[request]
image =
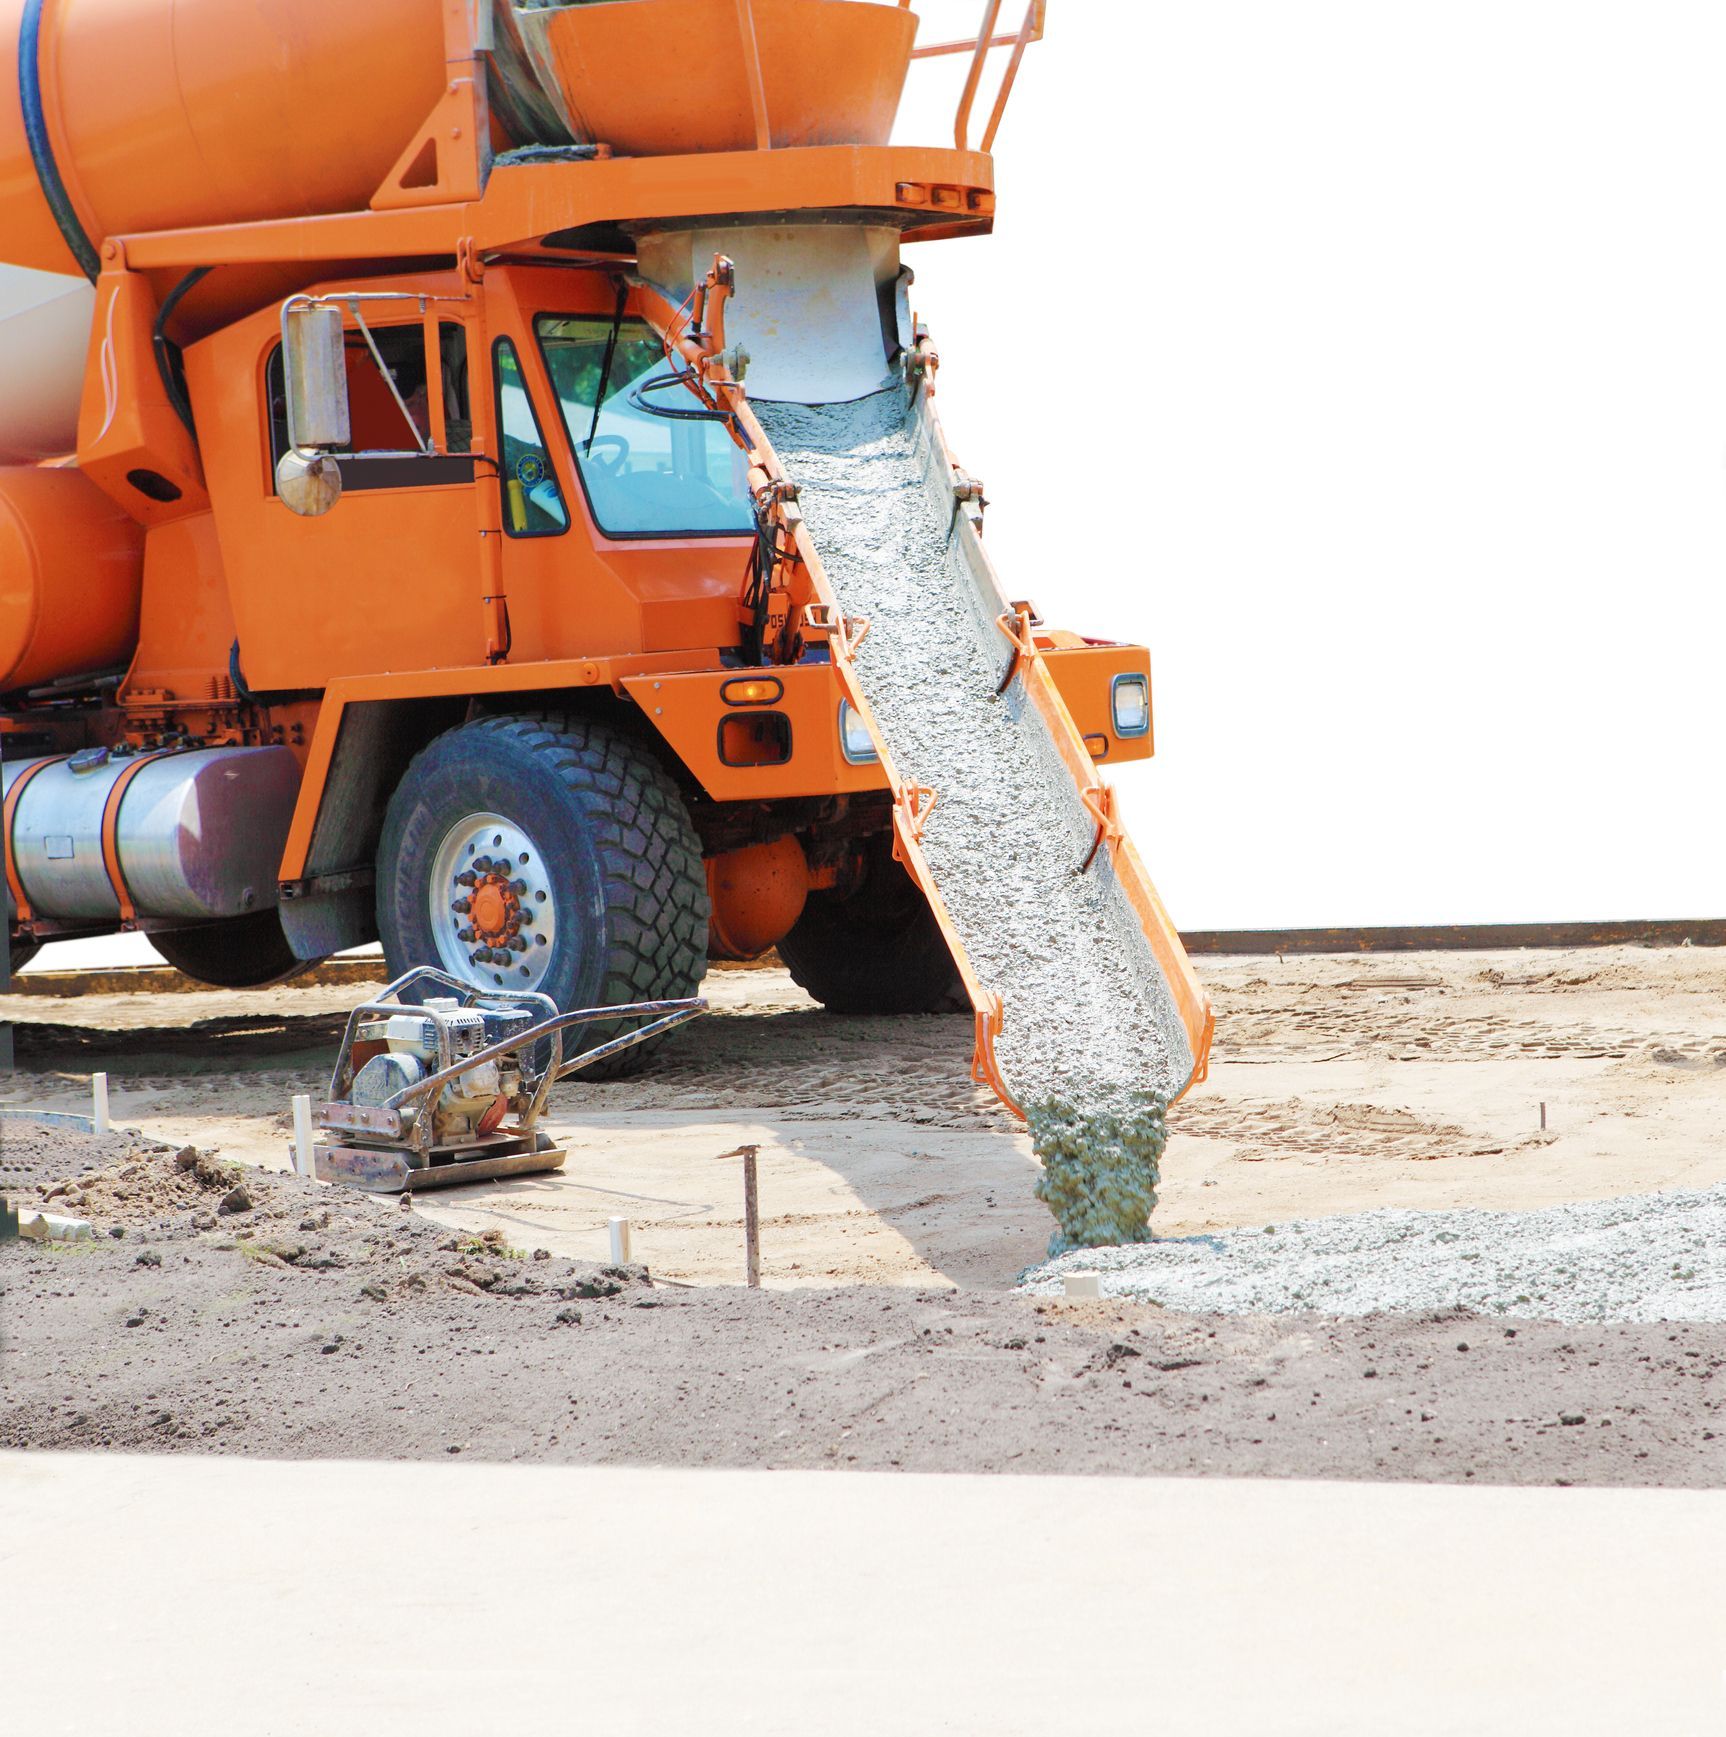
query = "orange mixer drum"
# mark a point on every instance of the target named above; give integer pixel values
(155, 114)
(659, 77)
(71, 568)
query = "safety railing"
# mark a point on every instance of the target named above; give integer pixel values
(978, 48)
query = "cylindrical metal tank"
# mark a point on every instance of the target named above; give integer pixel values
(71, 566)
(158, 114)
(198, 835)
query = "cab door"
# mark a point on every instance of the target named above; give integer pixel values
(388, 578)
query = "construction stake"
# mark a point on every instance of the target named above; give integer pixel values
(751, 1221)
(751, 1215)
(619, 1228)
(303, 1161)
(99, 1103)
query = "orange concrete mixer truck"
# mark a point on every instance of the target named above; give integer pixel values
(396, 540)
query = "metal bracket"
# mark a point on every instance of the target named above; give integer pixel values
(846, 632)
(1017, 625)
(1099, 802)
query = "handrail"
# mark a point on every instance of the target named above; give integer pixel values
(962, 121)
(1007, 78)
(752, 75)
(978, 48)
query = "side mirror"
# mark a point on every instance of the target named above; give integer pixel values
(315, 383)
(308, 483)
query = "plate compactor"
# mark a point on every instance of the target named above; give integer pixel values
(449, 1087)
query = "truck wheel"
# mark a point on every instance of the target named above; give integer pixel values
(550, 853)
(877, 949)
(241, 953)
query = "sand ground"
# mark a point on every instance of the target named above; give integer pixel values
(303, 1321)
(1338, 1084)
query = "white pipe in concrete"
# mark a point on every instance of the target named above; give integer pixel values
(303, 1162)
(619, 1228)
(99, 1103)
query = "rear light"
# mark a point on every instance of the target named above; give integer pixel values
(752, 691)
(1131, 700)
(855, 742)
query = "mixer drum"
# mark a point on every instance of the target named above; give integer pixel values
(71, 573)
(44, 332)
(161, 114)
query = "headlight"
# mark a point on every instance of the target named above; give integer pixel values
(854, 740)
(1132, 705)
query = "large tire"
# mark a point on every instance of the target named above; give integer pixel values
(600, 854)
(243, 953)
(878, 949)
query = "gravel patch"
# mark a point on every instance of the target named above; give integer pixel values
(1652, 1257)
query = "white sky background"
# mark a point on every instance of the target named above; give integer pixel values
(1368, 362)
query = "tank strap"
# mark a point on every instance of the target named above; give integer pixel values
(111, 836)
(41, 146)
(8, 813)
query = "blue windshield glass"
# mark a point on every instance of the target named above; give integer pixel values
(646, 472)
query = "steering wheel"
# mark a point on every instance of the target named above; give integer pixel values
(615, 445)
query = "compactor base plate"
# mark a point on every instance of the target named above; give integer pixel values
(393, 1170)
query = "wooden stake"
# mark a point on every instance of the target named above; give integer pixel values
(751, 1221)
(1543, 1118)
(99, 1103)
(751, 1216)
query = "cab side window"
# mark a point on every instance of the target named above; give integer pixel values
(381, 451)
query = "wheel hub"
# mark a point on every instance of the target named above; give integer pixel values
(492, 910)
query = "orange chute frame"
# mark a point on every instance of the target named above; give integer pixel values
(695, 331)
(471, 183)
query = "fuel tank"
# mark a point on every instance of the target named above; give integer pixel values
(198, 835)
(71, 573)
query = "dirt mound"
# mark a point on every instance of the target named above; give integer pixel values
(35, 1155)
(131, 1189)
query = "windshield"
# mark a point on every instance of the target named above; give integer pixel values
(646, 472)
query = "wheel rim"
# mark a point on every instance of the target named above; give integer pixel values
(493, 914)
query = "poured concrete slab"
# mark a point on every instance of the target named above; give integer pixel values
(199, 1595)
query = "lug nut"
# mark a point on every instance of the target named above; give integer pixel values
(519, 888)
(462, 906)
(466, 878)
(466, 935)
(517, 944)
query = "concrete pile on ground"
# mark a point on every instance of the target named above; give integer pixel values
(1090, 1030)
(1652, 1257)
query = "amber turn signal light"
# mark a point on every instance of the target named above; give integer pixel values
(756, 691)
